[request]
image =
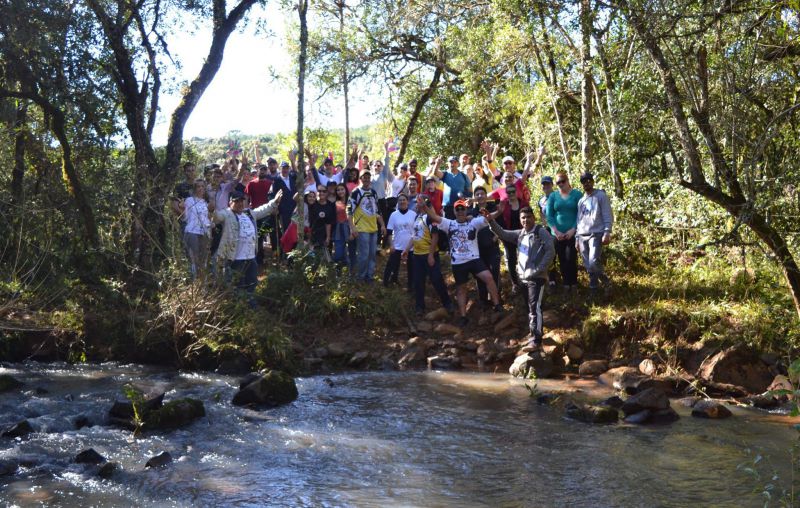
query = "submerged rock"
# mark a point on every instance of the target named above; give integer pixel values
(612, 401)
(107, 470)
(8, 467)
(8, 383)
(710, 409)
(592, 414)
(82, 421)
(663, 416)
(638, 418)
(160, 460)
(270, 389)
(89, 456)
(532, 364)
(122, 415)
(174, 414)
(444, 362)
(738, 366)
(21, 429)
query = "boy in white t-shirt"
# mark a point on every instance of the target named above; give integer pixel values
(401, 229)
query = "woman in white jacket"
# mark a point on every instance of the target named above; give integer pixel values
(237, 246)
(197, 234)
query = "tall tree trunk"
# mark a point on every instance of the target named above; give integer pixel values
(586, 85)
(18, 173)
(412, 122)
(345, 83)
(302, 10)
(736, 205)
(611, 115)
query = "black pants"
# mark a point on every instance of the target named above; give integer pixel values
(422, 271)
(511, 263)
(392, 270)
(534, 294)
(490, 255)
(382, 239)
(261, 225)
(567, 261)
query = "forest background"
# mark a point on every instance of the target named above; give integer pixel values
(687, 112)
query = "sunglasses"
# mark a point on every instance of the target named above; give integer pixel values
(559, 182)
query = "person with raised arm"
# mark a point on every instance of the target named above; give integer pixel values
(365, 219)
(456, 184)
(400, 228)
(536, 252)
(464, 253)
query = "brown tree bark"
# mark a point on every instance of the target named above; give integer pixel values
(302, 10)
(412, 121)
(586, 85)
(18, 173)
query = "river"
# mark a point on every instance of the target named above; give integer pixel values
(377, 439)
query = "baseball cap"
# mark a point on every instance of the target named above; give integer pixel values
(430, 179)
(236, 195)
(413, 161)
(452, 158)
(328, 161)
(404, 166)
(547, 179)
(460, 202)
(271, 160)
(508, 158)
(284, 164)
(585, 177)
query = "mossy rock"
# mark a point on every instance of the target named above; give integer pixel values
(270, 389)
(8, 383)
(174, 414)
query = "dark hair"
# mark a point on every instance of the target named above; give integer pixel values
(188, 165)
(350, 175)
(346, 192)
(479, 187)
(526, 209)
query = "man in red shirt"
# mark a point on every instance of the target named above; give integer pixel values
(258, 190)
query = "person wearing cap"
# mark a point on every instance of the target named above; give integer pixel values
(595, 221)
(562, 217)
(488, 246)
(433, 194)
(520, 180)
(381, 177)
(536, 252)
(456, 184)
(218, 193)
(413, 174)
(237, 247)
(400, 228)
(397, 186)
(464, 253)
(364, 216)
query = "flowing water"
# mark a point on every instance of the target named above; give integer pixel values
(376, 439)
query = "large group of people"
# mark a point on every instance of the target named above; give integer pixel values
(475, 213)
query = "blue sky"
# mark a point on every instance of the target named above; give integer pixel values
(244, 96)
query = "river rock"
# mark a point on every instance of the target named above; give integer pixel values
(506, 321)
(174, 414)
(780, 382)
(763, 401)
(123, 410)
(547, 399)
(270, 389)
(8, 467)
(651, 398)
(89, 456)
(8, 383)
(613, 401)
(439, 314)
(530, 364)
(647, 367)
(592, 367)
(592, 414)
(424, 326)
(706, 408)
(444, 362)
(21, 429)
(446, 329)
(413, 356)
(107, 470)
(81, 421)
(162, 459)
(358, 359)
(622, 378)
(638, 418)
(338, 349)
(574, 353)
(738, 366)
(664, 416)
(688, 401)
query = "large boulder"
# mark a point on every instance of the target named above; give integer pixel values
(706, 408)
(121, 413)
(592, 414)
(160, 460)
(623, 378)
(174, 414)
(270, 389)
(532, 364)
(738, 366)
(652, 399)
(8, 383)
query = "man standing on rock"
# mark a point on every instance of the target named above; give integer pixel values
(595, 220)
(535, 251)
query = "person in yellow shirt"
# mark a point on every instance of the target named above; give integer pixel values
(425, 263)
(362, 211)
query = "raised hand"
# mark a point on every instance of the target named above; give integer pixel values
(279, 195)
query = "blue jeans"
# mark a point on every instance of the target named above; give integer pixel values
(244, 274)
(366, 247)
(341, 233)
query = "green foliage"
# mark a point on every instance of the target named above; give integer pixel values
(136, 397)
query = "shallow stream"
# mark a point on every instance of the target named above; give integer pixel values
(377, 439)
